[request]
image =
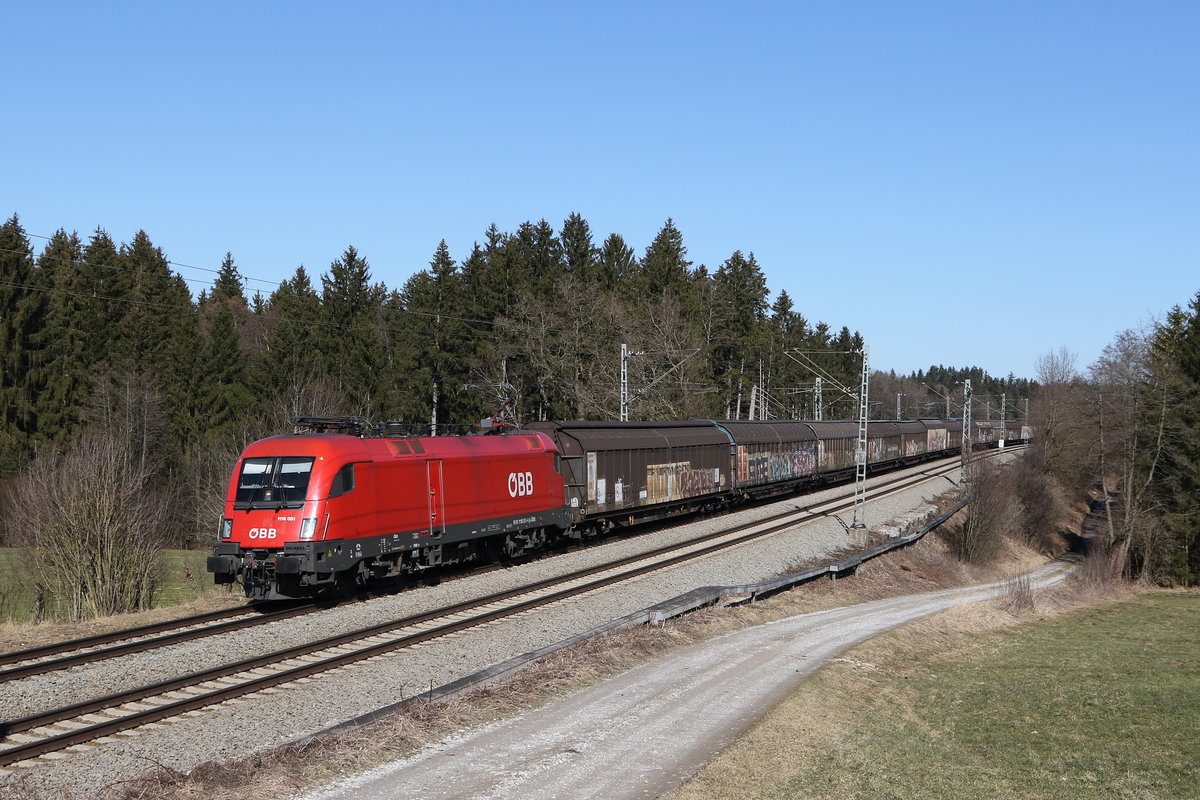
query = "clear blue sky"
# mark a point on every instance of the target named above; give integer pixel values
(965, 183)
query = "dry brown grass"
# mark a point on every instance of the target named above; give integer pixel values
(801, 735)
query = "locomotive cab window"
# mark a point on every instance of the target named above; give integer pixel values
(343, 482)
(273, 482)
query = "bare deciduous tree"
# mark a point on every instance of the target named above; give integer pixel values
(93, 526)
(563, 358)
(1059, 418)
(1130, 398)
(1042, 502)
(993, 513)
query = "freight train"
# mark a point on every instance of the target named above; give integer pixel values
(341, 501)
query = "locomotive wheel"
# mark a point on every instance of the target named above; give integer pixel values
(493, 550)
(348, 582)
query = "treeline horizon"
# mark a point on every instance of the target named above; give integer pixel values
(115, 382)
(531, 321)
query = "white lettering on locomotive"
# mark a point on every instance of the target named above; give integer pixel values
(520, 484)
(263, 533)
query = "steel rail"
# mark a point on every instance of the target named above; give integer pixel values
(54, 648)
(127, 648)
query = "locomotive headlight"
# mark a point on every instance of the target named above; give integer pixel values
(225, 531)
(308, 528)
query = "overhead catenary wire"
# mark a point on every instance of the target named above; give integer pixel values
(168, 261)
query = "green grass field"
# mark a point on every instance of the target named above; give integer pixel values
(17, 592)
(1102, 703)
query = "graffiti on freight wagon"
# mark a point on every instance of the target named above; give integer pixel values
(756, 464)
(666, 482)
(882, 448)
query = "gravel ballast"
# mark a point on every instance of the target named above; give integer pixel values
(276, 717)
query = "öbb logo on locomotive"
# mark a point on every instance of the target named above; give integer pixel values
(520, 484)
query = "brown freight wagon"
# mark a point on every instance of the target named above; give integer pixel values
(624, 472)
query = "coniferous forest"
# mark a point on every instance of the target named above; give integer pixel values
(106, 349)
(530, 322)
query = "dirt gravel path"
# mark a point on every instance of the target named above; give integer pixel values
(642, 733)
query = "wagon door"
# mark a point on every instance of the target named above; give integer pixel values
(437, 500)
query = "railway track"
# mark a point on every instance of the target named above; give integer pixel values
(84, 725)
(19, 664)
(60, 655)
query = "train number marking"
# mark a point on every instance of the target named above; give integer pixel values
(520, 484)
(263, 533)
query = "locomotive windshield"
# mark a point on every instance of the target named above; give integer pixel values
(277, 482)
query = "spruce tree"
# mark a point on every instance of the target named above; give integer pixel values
(429, 312)
(159, 306)
(579, 253)
(159, 336)
(1176, 355)
(352, 345)
(537, 257)
(65, 348)
(664, 267)
(738, 344)
(227, 399)
(223, 380)
(18, 321)
(490, 275)
(290, 369)
(617, 264)
(787, 332)
(105, 277)
(229, 285)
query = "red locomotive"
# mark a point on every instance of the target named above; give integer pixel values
(335, 506)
